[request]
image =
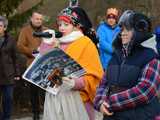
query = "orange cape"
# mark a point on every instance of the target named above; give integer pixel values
(85, 53)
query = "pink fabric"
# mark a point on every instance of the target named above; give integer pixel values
(64, 46)
(79, 83)
(44, 47)
(90, 110)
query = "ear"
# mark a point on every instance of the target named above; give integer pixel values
(31, 19)
(5, 28)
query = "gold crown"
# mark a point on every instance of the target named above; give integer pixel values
(113, 11)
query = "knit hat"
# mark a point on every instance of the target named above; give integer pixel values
(75, 15)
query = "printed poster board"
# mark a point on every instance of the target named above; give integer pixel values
(43, 65)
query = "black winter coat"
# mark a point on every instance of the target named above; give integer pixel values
(8, 61)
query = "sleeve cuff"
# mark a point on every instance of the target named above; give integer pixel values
(97, 107)
(79, 83)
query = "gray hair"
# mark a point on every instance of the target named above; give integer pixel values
(4, 21)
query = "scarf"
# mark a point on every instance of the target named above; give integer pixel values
(71, 37)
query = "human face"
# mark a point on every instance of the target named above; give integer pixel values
(65, 27)
(111, 21)
(126, 35)
(37, 19)
(2, 28)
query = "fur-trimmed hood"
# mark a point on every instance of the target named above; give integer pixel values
(139, 23)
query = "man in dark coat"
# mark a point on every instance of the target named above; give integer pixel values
(8, 69)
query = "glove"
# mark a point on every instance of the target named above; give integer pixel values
(68, 83)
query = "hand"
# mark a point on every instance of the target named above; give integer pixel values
(56, 43)
(104, 110)
(68, 82)
(35, 53)
(17, 78)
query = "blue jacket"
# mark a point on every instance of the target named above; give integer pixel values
(106, 36)
(157, 33)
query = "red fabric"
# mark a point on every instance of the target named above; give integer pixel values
(65, 18)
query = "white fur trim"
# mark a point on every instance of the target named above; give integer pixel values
(150, 43)
(71, 37)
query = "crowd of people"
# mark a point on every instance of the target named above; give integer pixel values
(122, 76)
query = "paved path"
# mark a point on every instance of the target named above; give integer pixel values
(98, 117)
(26, 118)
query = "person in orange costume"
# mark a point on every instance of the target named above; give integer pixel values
(75, 100)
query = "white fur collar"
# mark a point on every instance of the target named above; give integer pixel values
(71, 37)
(150, 43)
